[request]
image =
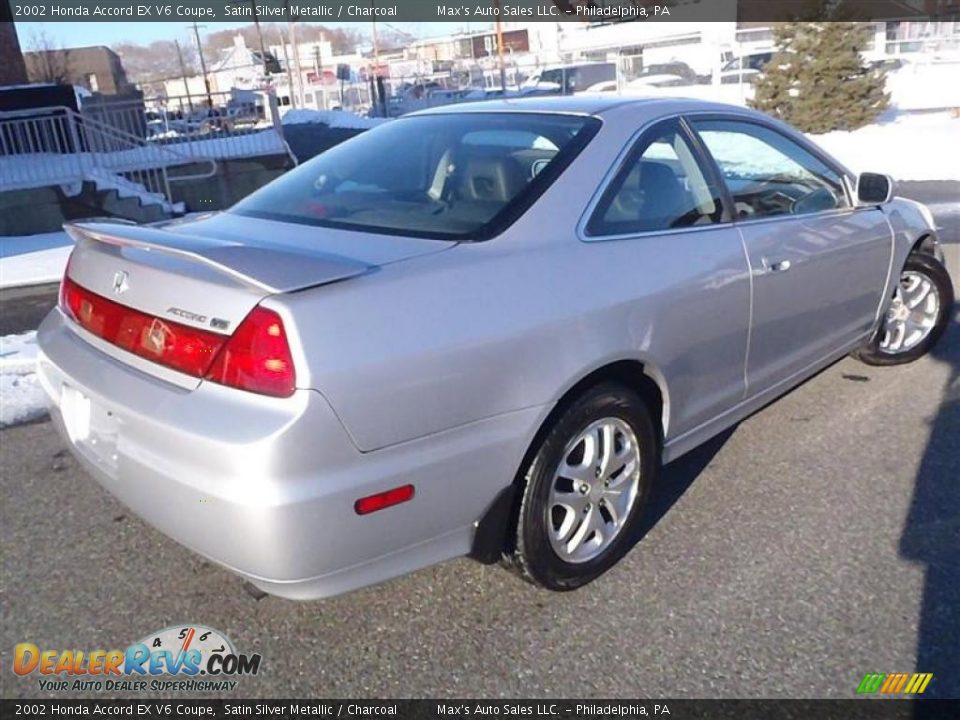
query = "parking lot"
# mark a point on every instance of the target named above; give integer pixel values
(815, 542)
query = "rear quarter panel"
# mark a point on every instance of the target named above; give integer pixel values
(449, 339)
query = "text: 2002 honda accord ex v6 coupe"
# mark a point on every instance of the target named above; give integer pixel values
(474, 330)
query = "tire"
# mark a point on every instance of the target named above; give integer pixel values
(540, 552)
(883, 349)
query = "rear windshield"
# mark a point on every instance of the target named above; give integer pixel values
(461, 177)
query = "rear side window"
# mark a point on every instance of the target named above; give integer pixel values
(662, 186)
(768, 174)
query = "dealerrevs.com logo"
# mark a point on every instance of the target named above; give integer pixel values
(184, 658)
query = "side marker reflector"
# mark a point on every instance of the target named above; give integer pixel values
(386, 499)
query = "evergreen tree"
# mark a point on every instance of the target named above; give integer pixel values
(817, 80)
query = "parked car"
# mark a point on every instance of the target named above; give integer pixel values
(476, 330)
(570, 79)
(744, 69)
(671, 74)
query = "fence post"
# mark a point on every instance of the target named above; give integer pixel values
(275, 115)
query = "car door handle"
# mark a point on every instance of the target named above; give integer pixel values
(777, 266)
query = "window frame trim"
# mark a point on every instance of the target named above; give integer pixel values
(629, 154)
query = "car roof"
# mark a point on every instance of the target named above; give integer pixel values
(584, 104)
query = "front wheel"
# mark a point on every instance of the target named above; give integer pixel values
(585, 489)
(917, 316)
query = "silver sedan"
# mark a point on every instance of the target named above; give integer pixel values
(474, 331)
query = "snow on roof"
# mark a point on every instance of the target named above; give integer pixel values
(330, 118)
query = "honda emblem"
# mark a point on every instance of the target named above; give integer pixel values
(120, 284)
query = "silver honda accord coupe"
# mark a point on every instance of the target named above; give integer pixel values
(477, 330)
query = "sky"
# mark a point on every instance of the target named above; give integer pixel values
(79, 34)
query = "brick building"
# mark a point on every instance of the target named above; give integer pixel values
(12, 68)
(96, 68)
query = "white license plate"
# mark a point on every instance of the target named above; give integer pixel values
(93, 429)
(75, 408)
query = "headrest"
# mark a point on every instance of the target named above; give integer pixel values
(491, 178)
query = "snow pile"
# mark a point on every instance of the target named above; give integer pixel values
(21, 397)
(105, 180)
(331, 118)
(33, 259)
(908, 146)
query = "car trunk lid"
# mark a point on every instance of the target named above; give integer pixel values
(182, 276)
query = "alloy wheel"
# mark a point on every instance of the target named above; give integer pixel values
(912, 314)
(593, 490)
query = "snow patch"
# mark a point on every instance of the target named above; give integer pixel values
(33, 259)
(22, 399)
(908, 146)
(331, 118)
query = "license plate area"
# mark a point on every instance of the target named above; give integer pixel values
(93, 429)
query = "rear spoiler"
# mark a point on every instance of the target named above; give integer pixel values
(267, 269)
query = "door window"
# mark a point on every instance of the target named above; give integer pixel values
(661, 187)
(768, 174)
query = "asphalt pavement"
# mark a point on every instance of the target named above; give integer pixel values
(817, 541)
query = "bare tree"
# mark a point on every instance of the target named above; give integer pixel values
(47, 61)
(149, 65)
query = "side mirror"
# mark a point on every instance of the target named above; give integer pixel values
(874, 189)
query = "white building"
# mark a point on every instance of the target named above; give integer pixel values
(239, 67)
(312, 54)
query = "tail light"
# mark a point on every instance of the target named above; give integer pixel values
(257, 357)
(171, 344)
(62, 293)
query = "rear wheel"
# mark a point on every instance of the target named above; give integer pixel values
(585, 489)
(917, 316)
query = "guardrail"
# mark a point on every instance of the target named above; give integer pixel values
(40, 147)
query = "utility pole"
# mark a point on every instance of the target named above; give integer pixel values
(256, 24)
(286, 60)
(183, 72)
(376, 47)
(318, 70)
(203, 64)
(503, 69)
(292, 30)
(378, 101)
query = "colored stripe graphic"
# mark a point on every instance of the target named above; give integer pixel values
(894, 683)
(871, 683)
(918, 683)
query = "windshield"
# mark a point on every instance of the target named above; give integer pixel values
(461, 177)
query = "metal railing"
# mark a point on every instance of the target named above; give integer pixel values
(219, 126)
(41, 147)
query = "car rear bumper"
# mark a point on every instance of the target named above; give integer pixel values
(267, 486)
